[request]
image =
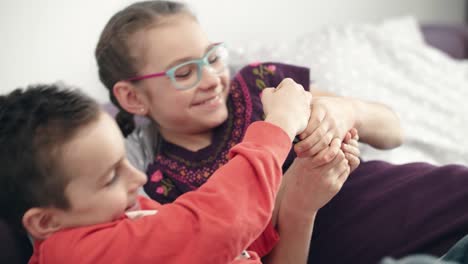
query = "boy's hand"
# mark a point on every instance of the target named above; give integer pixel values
(287, 106)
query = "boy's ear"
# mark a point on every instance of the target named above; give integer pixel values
(41, 222)
(129, 98)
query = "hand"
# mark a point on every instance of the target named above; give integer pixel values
(309, 187)
(287, 106)
(305, 189)
(349, 146)
(351, 150)
(331, 117)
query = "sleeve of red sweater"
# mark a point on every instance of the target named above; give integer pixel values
(211, 225)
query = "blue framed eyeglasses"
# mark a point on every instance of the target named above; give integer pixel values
(188, 74)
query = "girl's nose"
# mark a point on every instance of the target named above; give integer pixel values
(209, 78)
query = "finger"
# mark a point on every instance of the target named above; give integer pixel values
(354, 133)
(341, 175)
(322, 142)
(344, 175)
(318, 135)
(341, 165)
(347, 148)
(353, 142)
(266, 97)
(347, 137)
(286, 82)
(327, 155)
(266, 91)
(317, 115)
(353, 161)
(334, 164)
(308, 96)
(315, 129)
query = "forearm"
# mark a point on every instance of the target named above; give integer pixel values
(294, 244)
(247, 212)
(377, 124)
(231, 208)
(264, 244)
(294, 222)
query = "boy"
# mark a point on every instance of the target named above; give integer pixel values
(65, 180)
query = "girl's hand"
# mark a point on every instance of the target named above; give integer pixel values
(331, 117)
(350, 149)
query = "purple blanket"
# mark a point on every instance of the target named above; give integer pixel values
(388, 210)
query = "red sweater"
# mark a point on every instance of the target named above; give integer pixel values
(211, 225)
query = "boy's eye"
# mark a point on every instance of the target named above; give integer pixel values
(113, 180)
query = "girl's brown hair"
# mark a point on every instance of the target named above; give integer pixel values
(114, 55)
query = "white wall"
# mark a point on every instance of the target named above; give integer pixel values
(49, 40)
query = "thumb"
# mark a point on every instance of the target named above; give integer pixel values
(309, 97)
(347, 137)
(266, 93)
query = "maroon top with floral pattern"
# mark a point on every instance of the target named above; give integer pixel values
(176, 170)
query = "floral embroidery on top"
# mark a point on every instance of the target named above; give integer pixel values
(157, 176)
(260, 71)
(176, 170)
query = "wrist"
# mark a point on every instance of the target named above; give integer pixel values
(283, 123)
(294, 217)
(296, 205)
(356, 106)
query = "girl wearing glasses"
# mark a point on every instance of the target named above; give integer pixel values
(157, 62)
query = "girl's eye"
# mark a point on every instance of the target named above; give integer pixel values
(184, 74)
(185, 71)
(213, 59)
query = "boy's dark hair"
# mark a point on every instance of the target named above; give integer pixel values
(115, 59)
(34, 124)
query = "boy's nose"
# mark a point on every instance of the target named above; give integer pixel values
(136, 178)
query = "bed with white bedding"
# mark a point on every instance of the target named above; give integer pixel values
(389, 62)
